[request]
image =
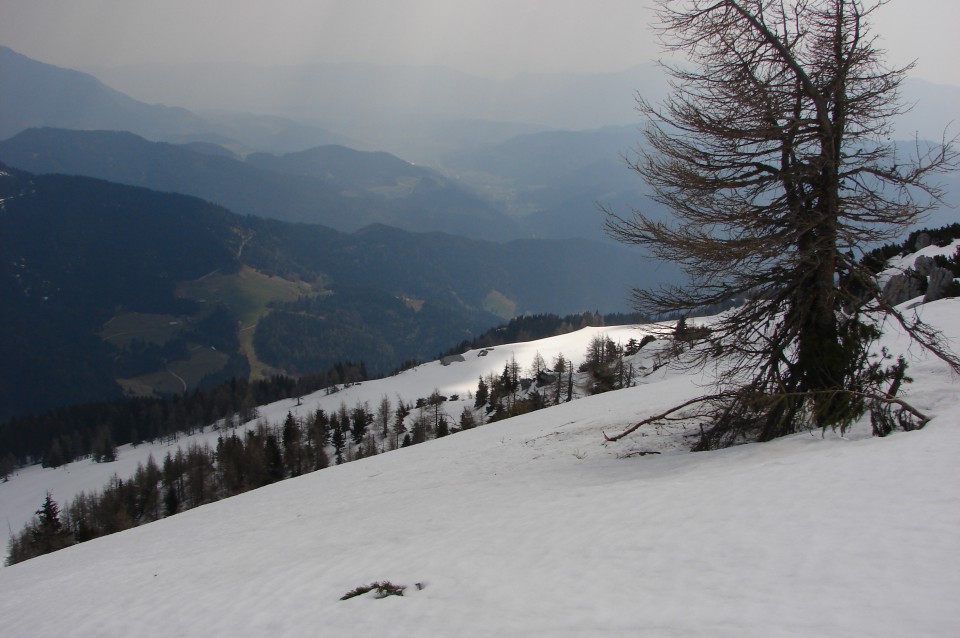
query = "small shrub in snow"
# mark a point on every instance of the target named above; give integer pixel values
(384, 589)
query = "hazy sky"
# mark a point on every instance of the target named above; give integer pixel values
(494, 38)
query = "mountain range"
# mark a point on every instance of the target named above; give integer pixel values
(423, 113)
(415, 112)
(331, 185)
(111, 288)
(497, 139)
(37, 95)
(296, 233)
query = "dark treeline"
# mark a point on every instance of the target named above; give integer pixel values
(877, 258)
(186, 478)
(95, 430)
(541, 326)
(361, 324)
(243, 459)
(69, 433)
(605, 367)
(256, 455)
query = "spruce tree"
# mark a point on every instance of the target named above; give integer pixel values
(480, 399)
(48, 534)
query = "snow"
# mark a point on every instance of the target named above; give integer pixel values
(22, 496)
(533, 527)
(901, 263)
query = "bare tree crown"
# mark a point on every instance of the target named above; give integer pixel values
(774, 154)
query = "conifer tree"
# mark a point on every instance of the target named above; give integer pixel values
(361, 420)
(559, 368)
(337, 439)
(480, 399)
(399, 418)
(171, 502)
(272, 460)
(774, 155)
(442, 429)
(292, 446)
(319, 435)
(384, 411)
(43, 535)
(538, 365)
(7, 465)
(467, 420)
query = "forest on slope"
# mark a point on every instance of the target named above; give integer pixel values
(115, 290)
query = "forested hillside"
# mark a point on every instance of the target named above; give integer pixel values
(115, 290)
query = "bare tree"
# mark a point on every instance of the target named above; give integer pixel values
(774, 154)
(384, 413)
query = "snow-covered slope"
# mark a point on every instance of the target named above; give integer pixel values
(901, 263)
(533, 527)
(21, 497)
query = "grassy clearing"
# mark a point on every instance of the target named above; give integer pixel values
(258, 369)
(127, 326)
(500, 305)
(245, 293)
(202, 361)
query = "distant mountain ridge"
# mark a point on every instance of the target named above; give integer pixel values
(35, 94)
(355, 169)
(38, 94)
(421, 113)
(555, 180)
(333, 186)
(491, 135)
(341, 91)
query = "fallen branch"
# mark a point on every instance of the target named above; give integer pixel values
(664, 415)
(922, 419)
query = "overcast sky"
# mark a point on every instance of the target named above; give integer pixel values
(493, 38)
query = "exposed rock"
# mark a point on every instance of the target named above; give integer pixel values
(924, 265)
(925, 278)
(902, 287)
(923, 240)
(545, 378)
(452, 358)
(939, 282)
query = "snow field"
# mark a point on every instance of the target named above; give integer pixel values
(21, 497)
(533, 527)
